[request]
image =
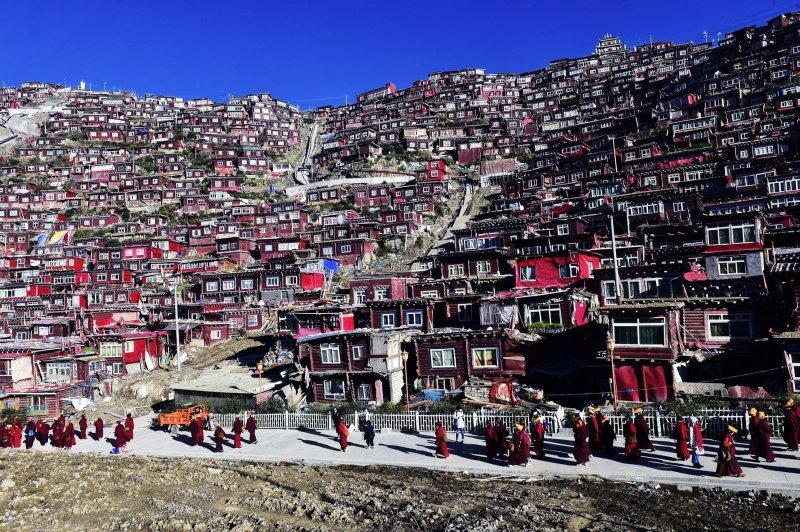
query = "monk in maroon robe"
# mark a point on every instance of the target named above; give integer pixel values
(342, 432)
(727, 465)
(682, 440)
(500, 435)
(752, 429)
(201, 434)
(129, 427)
(522, 447)
(219, 437)
(69, 436)
(791, 425)
(5, 435)
(98, 429)
(441, 442)
(643, 432)
(632, 451)
(764, 448)
(251, 426)
(593, 431)
(83, 425)
(607, 437)
(237, 429)
(491, 444)
(537, 436)
(30, 434)
(58, 435)
(16, 434)
(120, 439)
(43, 433)
(580, 449)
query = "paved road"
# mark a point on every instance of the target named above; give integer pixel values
(415, 450)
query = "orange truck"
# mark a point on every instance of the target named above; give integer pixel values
(174, 421)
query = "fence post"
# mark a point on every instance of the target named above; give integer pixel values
(658, 423)
(416, 420)
(330, 423)
(286, 419)
(474, 422)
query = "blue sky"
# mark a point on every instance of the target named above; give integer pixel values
(313, 53)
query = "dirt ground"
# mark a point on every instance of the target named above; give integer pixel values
(61, 491)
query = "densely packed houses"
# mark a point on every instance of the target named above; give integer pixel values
(638, 231)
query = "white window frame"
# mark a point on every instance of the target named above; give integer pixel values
(441, 352)
(364, 392)
(329, 353)
(638, 323)
(246, 284)
(228, 285)
(388, 320)
(326, 388)
(464, 312)
(358, 352)
(477, 350)
(414, 318)
(729, 318)
(739, 261)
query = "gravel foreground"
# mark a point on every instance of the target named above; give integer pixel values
(62, 491)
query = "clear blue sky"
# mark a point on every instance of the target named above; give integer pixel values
(313, 53)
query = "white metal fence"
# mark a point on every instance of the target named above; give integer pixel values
(412, 422)
(714, 422)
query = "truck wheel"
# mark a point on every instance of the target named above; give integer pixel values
(173, 429)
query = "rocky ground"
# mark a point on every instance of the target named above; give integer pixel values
(68, 491)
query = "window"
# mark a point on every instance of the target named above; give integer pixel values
(387, 320)
(116, 368)
(364, 392)
(543, 313)
(347, 248)
(443, 358)
(736, 233)
(527, 273)
(679, 206)
(59, 372)
(292, 280)
(327, 251)
(212, 286)
(252, 320)
(484, 266)
(562, 229)
(444, 384)
(358, 352)
(110, 350)
(334, 389)
(229, 284)
(329, 353)
(641, 331)
(724, 325)
(273, 281)
(129, 346)
(763, 150)
(454, 270)
(216, 334)
(484, 357)
(359, 296)
(381, 293)
(414, 318)
(732, 266)
(429, 294)
(464, 312)
(567, 271)
(246, 284)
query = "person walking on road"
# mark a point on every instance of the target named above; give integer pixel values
(791, 425)
(342, 433)
(251, 426)
(593, 431)
(607, 437)
(763, 446)
(580, 449)
(237, 430)
(630, 433)
(642, 431)
(727, 464)
(82, 426)
(129, 427)
(369, 435)
(219, 437)
(682, 440)
(491, 441)
(69, 436)
(537, 436)
(98, 429)
(441, 441)
(120, 439)
(695, 440)
(752, 429)
(30, 434)
(459, 424)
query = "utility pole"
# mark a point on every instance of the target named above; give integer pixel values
(177, 328)
(614, 153)
(617, 282)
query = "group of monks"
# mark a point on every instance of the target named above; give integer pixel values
(197, 430)
(61, 434)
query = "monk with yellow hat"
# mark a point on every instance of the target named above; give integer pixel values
(537, 436)
(753, 430)
(791, 425)
(642, 432)
(763, 447)
(727, 465)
